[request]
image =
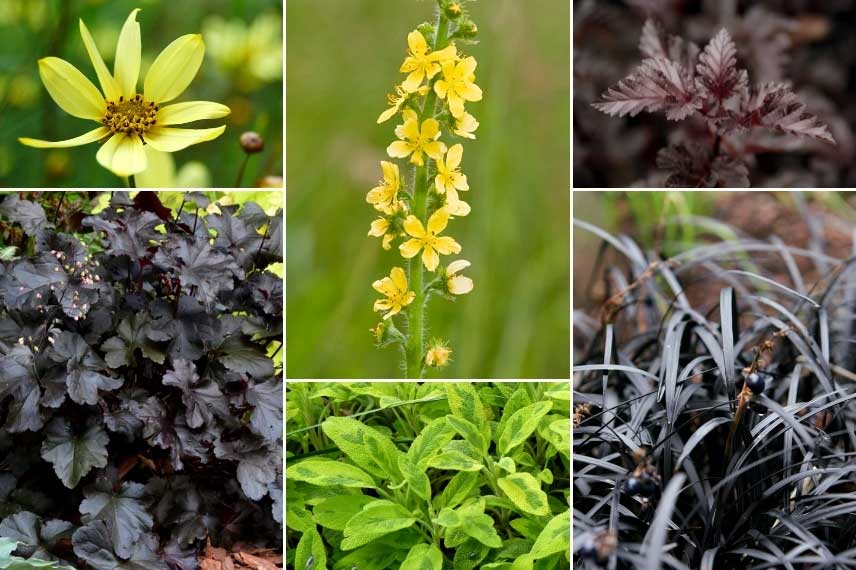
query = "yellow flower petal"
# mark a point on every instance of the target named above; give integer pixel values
(390, 173)
(108, 84)
(414, 80)
(457, 207)
(409, 130)
(441, 88)
(437, 222)
(430, 258)
(446, 245)
(456, 104)
(456, 266)
(181, 113)
(416, 42)
(382, 305)
(460, 285)
(459, 181)
(159, 172)
(386, 115)
(384, 286)
(430, 129)
(449, 52)
(399, 278)
(379, 227)
(435, 149)
(70, 89)
(408, 298)
(399, 149)
(174, 68)
(123, 155)
(410, 248)
(470, 92)
(395, 310)
(126, 68)
(85, 138)
(414, 227)
(453, 157)
(168, 139)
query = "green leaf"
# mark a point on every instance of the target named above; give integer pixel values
(329, 473)
(375, 520)
(521, 424)
(517, 400)
(310, 554)
(449, 518)
(454, 461)
(480, 527)
(560, 436)
(525, 492)
(458, 489)
(507, 464)
(432, 438)
(423, 557)
(366, 447)
(554, 537)
(465, 403)
(297, 517)
(335, 512)
(73, 456)
(416, 478)
(469, 555)
(470, 433)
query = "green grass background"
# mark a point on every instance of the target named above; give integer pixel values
(342, 58)
(32, 29)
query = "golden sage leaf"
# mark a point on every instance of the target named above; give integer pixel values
(554, 537)
(480, 527)
(521, 424)
(335, 512)
(429, 441)
(470, 433)
(367, 447)
(454, 461)
(423, 557)
(329, 473)
(310, 551)
(469, 555)
(376, 521)
(525, 492)
(416, 478)
(517, 400)
(459, 488)
(465, 403)
(449, 518)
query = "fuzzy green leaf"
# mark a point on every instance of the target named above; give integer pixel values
(470, 433)
(329, 473)
(366, 447)
(423, 557)
(554, 537)
(416, 478)
(521, 424)
(310, 553)
(375, 520)
(458, 489)
(525, 492)
(454, 461)
(480, 527)
(432, 438)
(465, 403)
(335, 512)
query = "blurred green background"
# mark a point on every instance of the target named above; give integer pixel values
(342, 59)
(242, 69)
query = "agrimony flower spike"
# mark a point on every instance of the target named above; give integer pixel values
(131, 120)
(431, 100)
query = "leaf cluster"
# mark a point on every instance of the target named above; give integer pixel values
(455, 475)
(678, 462)
(140, 409)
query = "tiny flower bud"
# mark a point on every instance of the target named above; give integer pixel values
(252, 142)
(453, 10)
(438, 354)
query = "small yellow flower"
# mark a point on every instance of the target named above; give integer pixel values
(378, 331)
(449, 178)
(415, 141)
(397, 99)
(465, 126)
(130, 120)
(458, 284)
(458, 85)
(380, 228)
(383, 197)
(421, 62)
(428, 242)
(438, 355)
(394, 288)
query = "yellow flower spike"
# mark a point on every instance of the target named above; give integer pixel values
(466, 126)
(458, 85)
(449, 178)
(131, 120)
(438, 354)
(414, 141)
(383, 197)
(394, 288)
(428, 241)
(458, 284)
(421, 63)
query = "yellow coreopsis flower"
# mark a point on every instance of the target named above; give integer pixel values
(394, 288)
(129, 120)
(458, 284)
(458, 85)
(421, 63)
(449, 178)
(383, 197)
(428, 241)
(415, 140)
(466, 126)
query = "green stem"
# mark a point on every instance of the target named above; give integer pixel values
(132, 182)
(241, 170)
(415, 348)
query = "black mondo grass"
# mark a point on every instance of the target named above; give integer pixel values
(714, 420)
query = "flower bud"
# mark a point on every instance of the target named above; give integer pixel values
(451, 10)
(438, 355)
(252, 142)
(467, 29)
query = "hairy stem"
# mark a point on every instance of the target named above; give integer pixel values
(414, 350)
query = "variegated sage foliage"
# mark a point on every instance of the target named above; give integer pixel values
(140, 411)
(428, 476)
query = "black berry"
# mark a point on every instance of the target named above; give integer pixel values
(755, 382)
(633, 486)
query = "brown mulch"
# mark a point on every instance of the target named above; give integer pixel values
(240, 558)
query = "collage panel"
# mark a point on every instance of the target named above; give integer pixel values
(428, 229)
(428, 475)
(713, 94)
(141, 93)
(713, 379)
(141, 380)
